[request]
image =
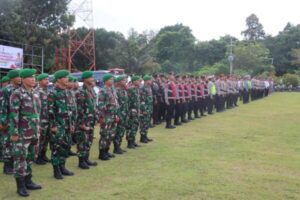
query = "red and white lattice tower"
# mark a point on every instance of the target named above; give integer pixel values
(85, 45)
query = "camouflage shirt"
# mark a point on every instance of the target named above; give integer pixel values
(43, 95)
(108, 105)
(123, 102)
(146, 100)
(59, 111)
(4, 104)
(24, 114)
(134, 100)
(86, 106)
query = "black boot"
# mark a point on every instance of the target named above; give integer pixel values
(170, 127)
(134, 143)
(130, 145)
(117, 149)
(65, 171)
(44, 157)
(40, 161)
(109, 154)
(143, 139)
(8, 168)
(30, 185)
(21, 189)
(57, 173)
(82, 164)
(90, 163)
(103, 155)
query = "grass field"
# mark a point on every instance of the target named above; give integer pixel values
(251, 152)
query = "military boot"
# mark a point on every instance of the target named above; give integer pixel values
(109, 154)
(65, 171)
(57, 173)
(117, 149)
(143, 139)
(103, 155)
(30, 185)
(82, 164)
(21, 189)
(90, 163)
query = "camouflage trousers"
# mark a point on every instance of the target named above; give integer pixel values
(133, 126)
(84, 141)
(120, 131)
(6, 146)
(145, 121)
(44, 138)
(60, 145)
(1, 146)
(24, 152)
(107, 134)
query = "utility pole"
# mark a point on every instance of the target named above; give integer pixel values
(231, 57)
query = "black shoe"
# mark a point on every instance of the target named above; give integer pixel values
(203, 115)
(40, 161)
(30, 185)
(45, 158)
(143, 139)
(21, 189)
(177, 124)
(190, 118)
(82, 164)
(90, 163)
(136, 145)
(8, 168)
(130, 144)
(184, 121)
(103, 155)
(117, 149)
(57, 172)
(109, 154)
(170, 127)
(71, 153)
(65, 171)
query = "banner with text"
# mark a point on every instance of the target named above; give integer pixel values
(11, 57)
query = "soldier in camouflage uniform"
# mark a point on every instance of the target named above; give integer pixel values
(4, 83)
(15, 82)
(86, 106)
(60, 125)
(24, 131)
(107, 114)
(71, 94)
(42, 91)
(120, 84)
(146, 108)
(134, 111)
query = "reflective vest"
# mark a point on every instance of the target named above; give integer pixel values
(213, 89)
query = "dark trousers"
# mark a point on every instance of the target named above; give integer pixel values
(210, 103)
(178, 111)
(162, 111)
(245, 96)
(155, 115)
(170, 111)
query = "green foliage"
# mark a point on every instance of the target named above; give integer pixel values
(216, 69)
(255, 30)
(291, 79)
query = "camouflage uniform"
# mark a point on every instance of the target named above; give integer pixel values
(71, 99)
(60, 117)
(123, 115)
(134, 112)
(24, 122)
(86, 105)
(4, 112)
(44, 120)
(107, 111)
(146, 110)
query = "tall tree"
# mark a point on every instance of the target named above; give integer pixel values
(255, 30)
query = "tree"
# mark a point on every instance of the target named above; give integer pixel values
(36, 22)
(255, 30)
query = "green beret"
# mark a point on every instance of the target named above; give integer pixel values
(25, 73)
(13, 73)
(86, 74)
(71, 78)
(106, 77)
(120, 78)
(61, 74)
(42, 76)
(135, 78)
(4, 79)
(75, 79)
(147, 78)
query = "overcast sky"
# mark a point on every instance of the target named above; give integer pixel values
(208, 19)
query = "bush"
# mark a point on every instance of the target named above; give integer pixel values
(291, 79)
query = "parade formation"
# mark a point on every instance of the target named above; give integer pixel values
(35, 119)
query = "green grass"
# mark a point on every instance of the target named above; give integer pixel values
(252, 152)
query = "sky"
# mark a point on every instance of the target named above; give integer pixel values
(208, 19)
